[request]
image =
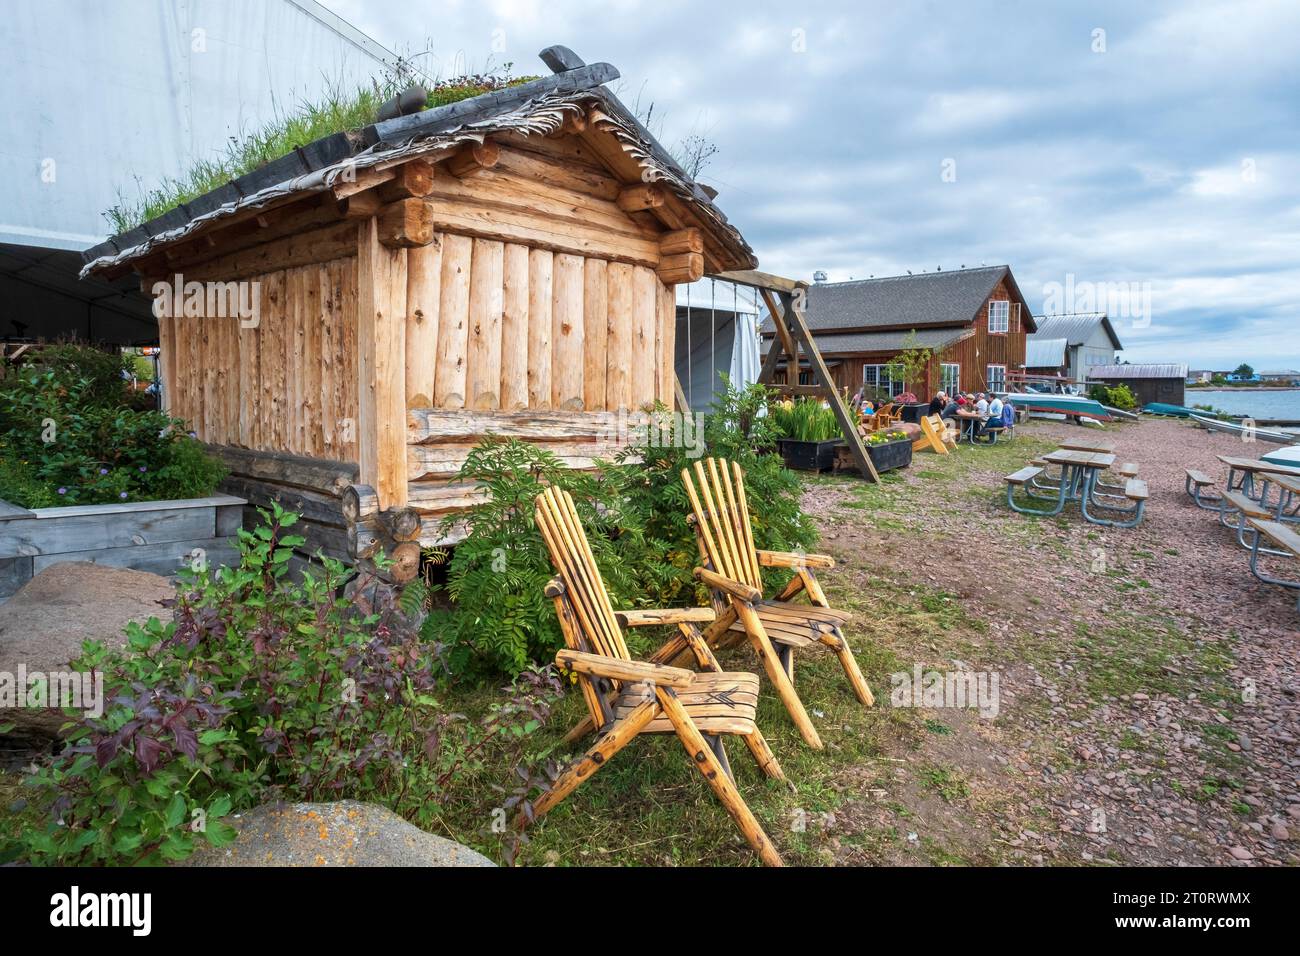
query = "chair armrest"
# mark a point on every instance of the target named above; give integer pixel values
(784, 559)
(672, 615)
(599, 665)
(737, 590)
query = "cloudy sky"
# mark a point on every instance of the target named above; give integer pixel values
(1143, 156)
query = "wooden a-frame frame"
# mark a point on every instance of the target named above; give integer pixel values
(784, 299)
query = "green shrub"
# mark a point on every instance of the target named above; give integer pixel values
(634, 512)
(262, 688)
(502, 621)
(806, 419)
(67, 439)
(1117, 396)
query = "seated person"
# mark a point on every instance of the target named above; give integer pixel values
(938, 403)
(995, 410)
(950, 409)
(982, 406)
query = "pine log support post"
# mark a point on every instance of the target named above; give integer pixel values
(381, 367)
(792, 304)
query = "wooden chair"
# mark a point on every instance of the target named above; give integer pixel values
(777, 627)
(626, 698)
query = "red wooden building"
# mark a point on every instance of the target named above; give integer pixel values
(972, 321)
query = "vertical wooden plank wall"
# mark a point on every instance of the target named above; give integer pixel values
(497, 326)
(249, 387)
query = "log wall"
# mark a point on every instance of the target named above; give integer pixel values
(286, 385)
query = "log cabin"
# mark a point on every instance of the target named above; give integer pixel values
(972, 321)
(502, 265)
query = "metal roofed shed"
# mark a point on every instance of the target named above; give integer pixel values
(1163, 383)
(1089, 339)
(505, 265)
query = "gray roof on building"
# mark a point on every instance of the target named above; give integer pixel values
(1075, 327)
(1044, 353)
(888, 341)
(931, 298)
(1169, 370)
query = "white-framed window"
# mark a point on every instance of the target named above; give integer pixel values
(877, 377)
(996, 378)
(951, 373)
(999, 315)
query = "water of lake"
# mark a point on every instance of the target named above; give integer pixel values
(1249, 402)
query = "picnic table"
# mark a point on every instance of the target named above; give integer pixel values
(969, 424)
(1242, 472)
(1098, 445)
(1080, 471)
(1288, 495)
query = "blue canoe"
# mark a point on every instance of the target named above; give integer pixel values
(1171, 411)
(1059, 404)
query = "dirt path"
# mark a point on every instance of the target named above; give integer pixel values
(1147, 682)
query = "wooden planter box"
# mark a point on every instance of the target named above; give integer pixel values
(891, 455)
(808, 455)
(157, 536)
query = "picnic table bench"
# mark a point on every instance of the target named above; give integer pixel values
(1288, 545)
(1194, 485)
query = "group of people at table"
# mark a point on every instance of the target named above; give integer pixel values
(975, 412)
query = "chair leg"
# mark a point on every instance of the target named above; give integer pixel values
(767, 655)
(763, 755)
(707, 763)
(851, 670)
(619, 735)
(715, 744)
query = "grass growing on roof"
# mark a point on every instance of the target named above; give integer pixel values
(338, 110)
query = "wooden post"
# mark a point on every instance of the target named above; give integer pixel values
(381, 366)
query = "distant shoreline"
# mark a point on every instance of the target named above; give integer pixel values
(1244, 388)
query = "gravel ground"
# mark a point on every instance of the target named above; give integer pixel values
(1148, 682)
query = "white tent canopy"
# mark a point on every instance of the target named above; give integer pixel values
(717, 334)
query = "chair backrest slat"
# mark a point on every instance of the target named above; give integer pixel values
(721, 511)
(571, 554)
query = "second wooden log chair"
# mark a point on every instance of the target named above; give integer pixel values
(732, 570)
(626, 698)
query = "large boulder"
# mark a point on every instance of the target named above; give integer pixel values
(44, 624)
(346, 833)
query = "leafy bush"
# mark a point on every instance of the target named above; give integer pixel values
(66, 438)
(261, 688)
(1117, 396)
(634, 512)
(806, 420)
(496, 576)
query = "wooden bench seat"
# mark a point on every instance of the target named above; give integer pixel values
(1195, 485)
(1237, 501)
(1135, 489)
(1199, 478)
(1023, 476)
(1283, 535)
(1128, 470)
(1287, 543)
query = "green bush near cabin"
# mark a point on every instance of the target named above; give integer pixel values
(69, 436)
(634, 512)
(1116, 396)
